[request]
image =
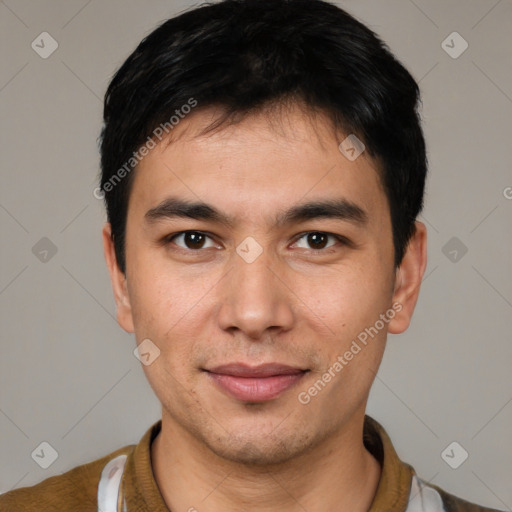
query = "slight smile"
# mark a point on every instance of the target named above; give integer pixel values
(255, 383)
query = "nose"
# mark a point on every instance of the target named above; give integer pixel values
(255, 297)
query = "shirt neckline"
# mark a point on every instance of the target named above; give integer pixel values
(392, 491)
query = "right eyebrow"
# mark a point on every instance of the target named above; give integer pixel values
(173, 207)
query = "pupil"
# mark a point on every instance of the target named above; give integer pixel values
(317, 239)
(194, 240)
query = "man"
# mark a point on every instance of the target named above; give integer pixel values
(263, 167)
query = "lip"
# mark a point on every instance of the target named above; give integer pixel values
(262, 370)
(255, 383)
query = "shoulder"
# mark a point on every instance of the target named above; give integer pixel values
(434, 499)
(455, 504)
(74, 490)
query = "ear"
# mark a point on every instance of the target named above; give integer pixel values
(408, 279)
(118, 280)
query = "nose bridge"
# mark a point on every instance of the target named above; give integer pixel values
(255, 278)
(254, 298)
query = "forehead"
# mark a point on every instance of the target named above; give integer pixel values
(255, 167)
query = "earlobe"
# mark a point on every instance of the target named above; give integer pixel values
(118, 281)
(408, 279)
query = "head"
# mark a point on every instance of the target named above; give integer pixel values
(228, 123)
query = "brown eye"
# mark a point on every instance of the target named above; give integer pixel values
(317, 240)
(193, 240)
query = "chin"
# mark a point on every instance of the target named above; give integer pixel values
(262, 449)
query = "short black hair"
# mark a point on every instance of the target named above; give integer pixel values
(247, 55)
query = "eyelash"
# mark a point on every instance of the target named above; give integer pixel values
(344, 241)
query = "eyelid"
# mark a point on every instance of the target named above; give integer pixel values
(343, 240)
(169, 238)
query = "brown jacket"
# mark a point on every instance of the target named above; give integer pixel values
(399, 489)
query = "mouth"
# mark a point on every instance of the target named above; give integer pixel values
(255, 383)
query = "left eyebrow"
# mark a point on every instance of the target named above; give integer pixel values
(341, 209)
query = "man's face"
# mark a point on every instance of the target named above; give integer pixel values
(214, 299)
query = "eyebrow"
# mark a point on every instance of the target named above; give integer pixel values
(340, 209)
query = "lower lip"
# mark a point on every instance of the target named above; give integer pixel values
(252, 389)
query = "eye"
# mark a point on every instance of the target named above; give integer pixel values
(192, 240)
(318, 240)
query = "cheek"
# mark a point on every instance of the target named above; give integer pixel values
(344, 299)
(165, 309)
(174, 309)
(161, 293)
(352, 309)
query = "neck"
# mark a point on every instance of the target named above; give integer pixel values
(338, 474)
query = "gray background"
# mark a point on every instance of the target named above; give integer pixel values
(68, 375)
